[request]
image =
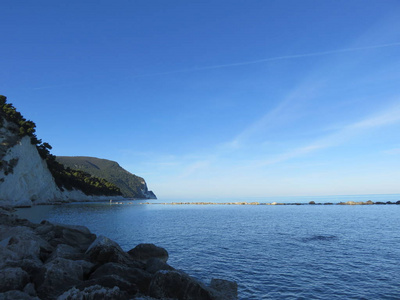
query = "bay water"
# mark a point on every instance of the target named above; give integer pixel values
(272, 252)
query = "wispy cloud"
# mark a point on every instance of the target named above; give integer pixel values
(384, 118)
(270, 59)
(395, 151)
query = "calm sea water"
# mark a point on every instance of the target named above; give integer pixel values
(273, 252)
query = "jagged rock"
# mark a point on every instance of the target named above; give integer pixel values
(59, 275)
(154, 265)
(69, 236)
(177, 285)
(133, 275)
(95, 292)
(104, 250)
(22, 243)
(224, 289)
(14, 295)
(143, 252)
(67, 252)
(13, 279)
(111, 281)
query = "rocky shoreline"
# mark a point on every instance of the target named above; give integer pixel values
(53, 261)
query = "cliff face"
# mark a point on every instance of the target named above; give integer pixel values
(131, 186)
(25, 179)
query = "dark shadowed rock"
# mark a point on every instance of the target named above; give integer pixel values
(16, 295)
(13, 279)
(30, 289)
(154, 265)
(104, 250)
(133, 275)
(111, 281)
(59, 275)
(177, 285)
(57, 234)
(95, 292)
(143, 252)
(67, 252)
(32, 267)
(224, 289)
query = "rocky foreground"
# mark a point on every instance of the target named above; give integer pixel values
(53, 261)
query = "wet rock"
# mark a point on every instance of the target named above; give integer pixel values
(13, 279)
(95, 292)
(143, 252)
(133, 275)
(104, 250)
(177, 285)
(59, 275)
(154, 265)
(224, 289)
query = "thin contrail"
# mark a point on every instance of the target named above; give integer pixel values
(271, 59)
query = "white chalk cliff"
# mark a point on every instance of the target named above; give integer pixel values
(29, 181)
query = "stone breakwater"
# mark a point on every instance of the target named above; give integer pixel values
(53, 261)
(369, 202)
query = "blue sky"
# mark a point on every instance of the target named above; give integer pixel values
(215, 98)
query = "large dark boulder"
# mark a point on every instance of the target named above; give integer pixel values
(67, 252)
(13, 279)
(75, 236)
(133, 275)
(104, 250)
(177, 285)
(59, 275)
(143, 252)
(224, 289)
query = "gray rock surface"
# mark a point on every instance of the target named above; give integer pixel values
(51, 261)
(104, 250)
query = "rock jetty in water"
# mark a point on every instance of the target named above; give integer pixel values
(52, 261)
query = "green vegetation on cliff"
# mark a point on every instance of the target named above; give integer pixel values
(65, 177)
(131, 186)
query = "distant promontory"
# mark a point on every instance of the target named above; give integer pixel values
(131, 186)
